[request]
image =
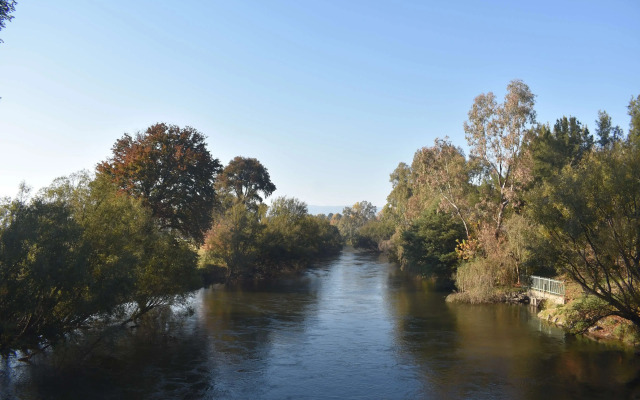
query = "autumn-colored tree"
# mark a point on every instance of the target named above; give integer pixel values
(496, 134)
(247, 179)
(172, 171)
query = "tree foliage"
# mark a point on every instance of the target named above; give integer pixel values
(534, 199)
(172, 171)
(496, 134)
(430, 243)
(247, 179)
(232, 241)
(287, 210)
(633, 109)
(255, 243)
(80, 253)
(42, 275)
(375, 234)
(397, 207)
(293, 238)
(353, 218)
(444, 169)
(566, 144)
(7, 7)
(607, 133)
(592, 214)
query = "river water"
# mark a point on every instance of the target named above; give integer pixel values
(353, 327)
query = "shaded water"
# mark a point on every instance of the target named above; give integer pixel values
(353, 327)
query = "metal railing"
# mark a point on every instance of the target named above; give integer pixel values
(546, 285)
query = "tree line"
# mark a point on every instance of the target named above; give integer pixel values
(530, 198)
(155, 221)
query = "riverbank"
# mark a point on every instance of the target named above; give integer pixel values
(580, 315)
(585, 315)
(351, 327)
(609, 329)
(493, 296)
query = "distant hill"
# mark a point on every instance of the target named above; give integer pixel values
(314, 210)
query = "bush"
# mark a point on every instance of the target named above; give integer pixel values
(476, 282)
(429, 245)
(80, 255)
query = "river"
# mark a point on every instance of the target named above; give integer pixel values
(353, 327)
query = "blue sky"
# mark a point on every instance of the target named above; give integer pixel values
(329, 95)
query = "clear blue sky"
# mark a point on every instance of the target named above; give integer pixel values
(329, 95)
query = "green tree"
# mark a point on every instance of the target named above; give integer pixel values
(567, 143)
(607, 133)
(496, 134)
(81, 255)
(247, 179)
(374, 233)
(43, 275)
(353, 218)
(591, 213)
(633, 110)
(233, 240)
(292, 238)
(172, 171)
(287, 210)
(136, 262)
(329, 241)
(429, 245)
(335, 219)
(398, 200)
(285, 238)
(6, 8)
(520, 233)
(444, 169)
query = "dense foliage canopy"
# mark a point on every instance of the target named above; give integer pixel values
(161, 214)
(592, 214)
(172, 171)
(80, 250)
(248, 243)
(530, 199)
(92, 252)
(247, 179)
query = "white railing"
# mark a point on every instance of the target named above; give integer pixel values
(546, 285)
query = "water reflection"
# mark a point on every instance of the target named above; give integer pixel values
(353, 327)
(244, 324)
(503, 351)
(147, 362)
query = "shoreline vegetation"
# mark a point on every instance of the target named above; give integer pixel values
(530, 198)
(162, 217)
(97, 252)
